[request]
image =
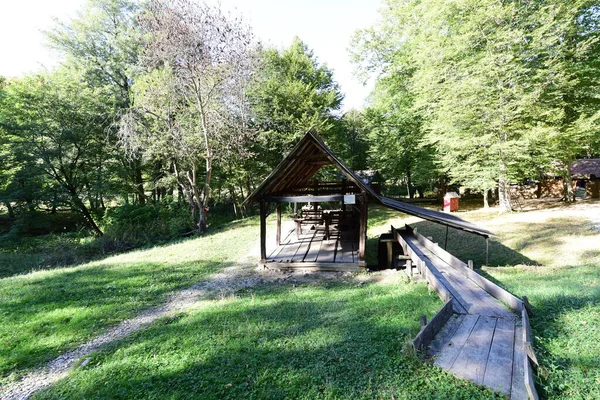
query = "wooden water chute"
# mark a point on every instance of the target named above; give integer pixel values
(331, 227)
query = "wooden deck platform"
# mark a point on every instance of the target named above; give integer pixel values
(312, 250)
(483, 340)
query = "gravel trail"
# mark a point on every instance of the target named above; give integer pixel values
(230, 279)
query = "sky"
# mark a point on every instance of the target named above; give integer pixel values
(326, 26)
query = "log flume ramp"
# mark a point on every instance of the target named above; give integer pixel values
(482, 333)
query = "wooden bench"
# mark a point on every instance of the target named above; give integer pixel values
(308, 217)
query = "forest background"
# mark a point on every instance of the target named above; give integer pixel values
(165, 115)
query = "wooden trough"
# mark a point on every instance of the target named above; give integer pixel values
(474, 336)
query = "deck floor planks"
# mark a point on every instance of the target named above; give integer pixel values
(327, 253)
(445, 334)
(288, 252)
(497, 375)
(313, 249)
(472, 359)
(445, 359)
(346, 251)
(302, 250)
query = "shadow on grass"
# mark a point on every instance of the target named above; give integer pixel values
(335, 341)
(41, 316)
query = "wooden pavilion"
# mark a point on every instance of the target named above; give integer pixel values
(331, 229)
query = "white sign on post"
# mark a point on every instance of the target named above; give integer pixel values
(349, 199)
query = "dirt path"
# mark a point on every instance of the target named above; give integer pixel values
(230, 279)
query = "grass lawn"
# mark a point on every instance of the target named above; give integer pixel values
(45, 313)
(309, 339)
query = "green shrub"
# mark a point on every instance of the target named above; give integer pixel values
(35, 223)
(135, 225)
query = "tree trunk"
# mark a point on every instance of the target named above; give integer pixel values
(569, 194)
(11, 212)
(409, 183)
(504, 199)
(442, 188)
(486, 204)
(54, 200)
(86, 213)
(233, 200)
(139, 185)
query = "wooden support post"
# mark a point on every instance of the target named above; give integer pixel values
(527, 306)
(295, 210)
(423, 320)
(389, 254)
(487, 251)
(409, 268)
(470, 264)
(362, 233)
(278, 233)
(263, 232)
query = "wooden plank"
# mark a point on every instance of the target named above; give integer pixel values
(445, 359)
(304, 199)
(518, 390)
(313, 250)
(435, 324)
(445, 334)
(470, 295)
(529, 381)
(301, 252)
(472, 359)
(288, 252)
(327, 253)
(347, 252)
(496, 291)
(527, 337)
(498, 371)
(315, 266)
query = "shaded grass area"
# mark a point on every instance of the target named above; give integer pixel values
(566, 325)
(45, 313)
(21, 255)
(306, 341)
(552, 241)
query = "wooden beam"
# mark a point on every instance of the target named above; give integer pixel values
(428, 332)
(263, 231)
(304, 199)
(314, 266)
(278, 234)
(362, 232)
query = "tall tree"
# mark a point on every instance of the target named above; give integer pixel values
(480, 73)
(104, 42)
(291, 94)
(199, 59)
(56, 126)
